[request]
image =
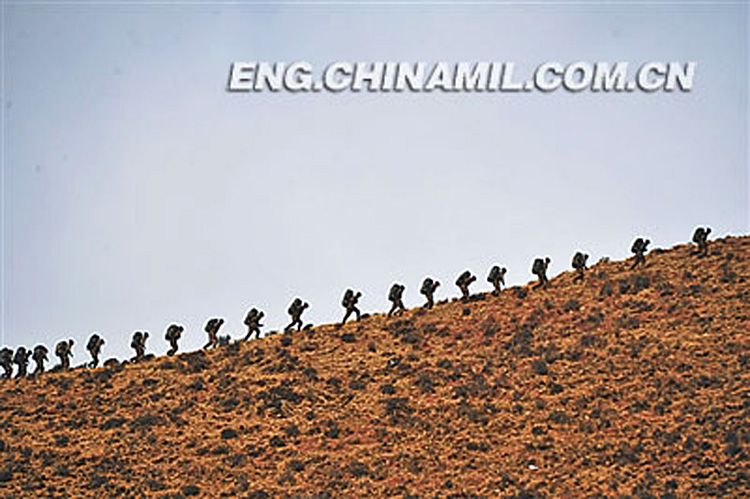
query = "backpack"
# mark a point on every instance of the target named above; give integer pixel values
(93, 342)
(210, 325)
(577, 260)
(638, 245)
(395, 293)
(61, 349)
(136, 339)
(21, 356)
(173, 333)
(426, 286)
(538, 266)
(494, 274)
(251, 316)
(295, 306)
(40, 352)
(348, 296)
(463, 278)
(699, 235)
(6, 355)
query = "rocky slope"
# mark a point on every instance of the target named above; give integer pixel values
(634, 383)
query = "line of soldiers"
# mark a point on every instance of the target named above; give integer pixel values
(496, 276)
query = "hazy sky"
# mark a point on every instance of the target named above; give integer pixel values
(138, 192)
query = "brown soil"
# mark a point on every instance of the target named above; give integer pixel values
(634, 383)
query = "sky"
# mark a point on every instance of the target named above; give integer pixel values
(138, 192)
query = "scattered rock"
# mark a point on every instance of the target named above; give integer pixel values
(191, 490)
(229, 433)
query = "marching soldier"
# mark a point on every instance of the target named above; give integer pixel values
(295, 312)
(252, 321)
(428, 290)
(579, 264)
(639, 248)
(349, 302)
(539, 269)
(395, 296)
(497, 278)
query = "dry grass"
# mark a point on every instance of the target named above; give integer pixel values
(633, 383)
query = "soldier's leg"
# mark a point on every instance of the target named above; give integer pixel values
(394, 306)
(346, 315)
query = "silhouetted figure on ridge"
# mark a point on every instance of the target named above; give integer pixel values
(252, 321)
(64, 350)
(497, 278)
(700, 237)
(212, 328)
(21, 359)
(295, 312)
(94, 346)
(349, 302)
(463, 282)
(539, 269)
(138, 343)
(639, 248)
(174, 332)
(6, 361)
(40, 357)
(395, 296)
(579, 264)
(428, 290)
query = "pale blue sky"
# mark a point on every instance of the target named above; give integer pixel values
(137, 192)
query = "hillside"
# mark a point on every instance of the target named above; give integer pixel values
(634, 383)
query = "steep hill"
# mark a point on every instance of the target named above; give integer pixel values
(634, 383)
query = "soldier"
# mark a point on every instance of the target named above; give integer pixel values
(700, 237)
(497, 278)
(6, 361)
(252, 321)
(138, 343)
(428, 290)
(349, 302)
(395, 296)
(21, 359)
(295, 312)
(463, 282)
(94, 346)
(640, 246)
(40, 357)
(212, 328)
(579, 264)
(539, 269)
(64, 350)
(174, 332)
